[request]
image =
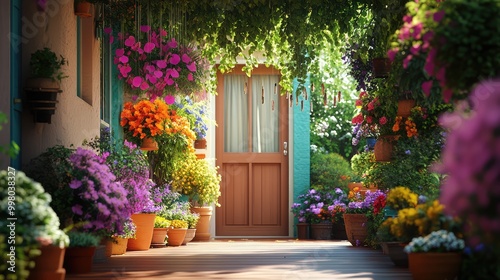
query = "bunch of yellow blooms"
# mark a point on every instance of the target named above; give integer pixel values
(420, 221)
(401, 198)
(178, 224)
(198, 179)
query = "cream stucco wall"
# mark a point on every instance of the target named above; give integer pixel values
(74, 119)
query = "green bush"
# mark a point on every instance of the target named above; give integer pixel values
(361, 163)
(330, 171)
(82, 239)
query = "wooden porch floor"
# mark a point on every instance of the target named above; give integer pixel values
(250, 259)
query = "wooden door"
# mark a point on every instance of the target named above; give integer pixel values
(252, 152)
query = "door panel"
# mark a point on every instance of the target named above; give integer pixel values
(252, 127)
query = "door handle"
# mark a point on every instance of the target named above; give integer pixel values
(285, 148)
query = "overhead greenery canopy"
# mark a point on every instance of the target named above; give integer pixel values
(289, 34)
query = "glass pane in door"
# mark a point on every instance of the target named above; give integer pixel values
(265, 113)
(235, 114)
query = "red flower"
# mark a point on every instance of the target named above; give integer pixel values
(379, 204)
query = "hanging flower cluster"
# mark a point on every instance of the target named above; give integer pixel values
(157, 66)
(471, 159)
(153, 119)
(369, 119)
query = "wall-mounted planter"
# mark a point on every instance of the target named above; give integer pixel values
(41, 95)
(82, 9)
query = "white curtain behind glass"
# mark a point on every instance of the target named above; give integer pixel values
(235, 114)
(265, 118)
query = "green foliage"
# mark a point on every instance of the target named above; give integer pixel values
(331, 126)
(44, 63)
(361, 163)
(52, 170)
(329, 171)
(480, 263)
(13, 149)
(172, 150)
(82, 239)
(470, 30)
(410, 166)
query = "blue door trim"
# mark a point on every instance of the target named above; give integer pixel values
(15, 79)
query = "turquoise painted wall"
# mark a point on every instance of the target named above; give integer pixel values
(301, 144)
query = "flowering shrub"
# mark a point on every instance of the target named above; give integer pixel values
(130, 166)
(158, 66)
(471, 160)
(368, 119)
(196, 113)
(315, 206)
(421, 220)
(198, 180)
(436, 241)
(373, 201)
(401, 198)
(98, 200)
(129, 229)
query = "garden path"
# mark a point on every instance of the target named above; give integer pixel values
(251, 259)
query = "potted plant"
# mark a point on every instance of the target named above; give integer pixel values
(192, 220)
(39, 240)
(119, 242)
(82, 8)
(43, 85)
(363, 215)
(160, 232)
(200, 181)
(80, 253)
(196, 113)
(177, 232)
(439, 252)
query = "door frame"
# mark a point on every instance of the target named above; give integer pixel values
(219, 113)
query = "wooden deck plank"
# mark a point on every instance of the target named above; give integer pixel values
(250, 259)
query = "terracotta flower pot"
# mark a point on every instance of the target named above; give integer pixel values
(322, 231)
(203, 227)
(384, 147)
(158, 239)
(49, 265)
(149, 144)
(434, 266)
(200, 143)
(176, 236)
(404, 107)
(144, 232)
(119, 246)
(190, 233)
(79, 259)
(303, 231)
(355, 228)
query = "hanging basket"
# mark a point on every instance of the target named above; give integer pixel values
(149, 144)
(82, 9)
(381, 67)
(200, 143)
(404, 107)
(384, 147)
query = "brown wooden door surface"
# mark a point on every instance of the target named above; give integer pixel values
(254, 200)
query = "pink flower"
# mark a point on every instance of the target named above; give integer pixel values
(371, 105)
(438, 16)
(426, 87)
(77, 209)
(369, 119)
(174, 59)
(391, 54)
(382, 120)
